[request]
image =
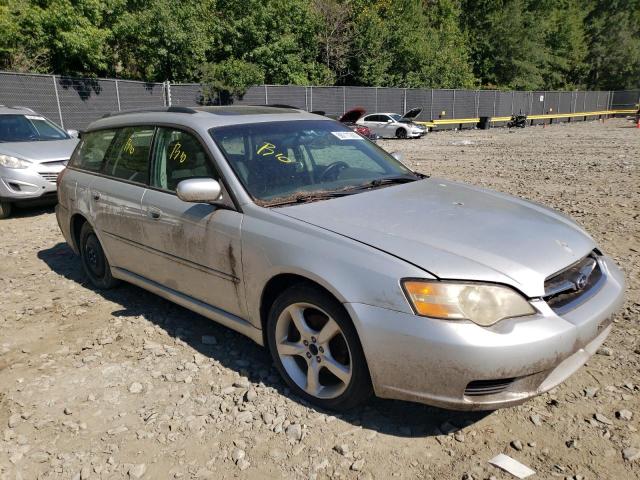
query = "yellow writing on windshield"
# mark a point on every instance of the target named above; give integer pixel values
(128, 147)
(177, 154)
(267, 149)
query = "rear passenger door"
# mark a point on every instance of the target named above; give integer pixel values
(116, 196)
(195, 246)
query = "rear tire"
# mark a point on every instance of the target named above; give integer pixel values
(316, 349)
(401, 133)
(5, 209)
(94, 261)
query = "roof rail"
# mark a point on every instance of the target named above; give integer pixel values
(18, 107)
(275, 105)
(151, 110)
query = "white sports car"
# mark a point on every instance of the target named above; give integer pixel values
(394, 125)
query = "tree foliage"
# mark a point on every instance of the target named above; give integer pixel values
(524, 44)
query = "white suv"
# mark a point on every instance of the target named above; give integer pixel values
(33, 151)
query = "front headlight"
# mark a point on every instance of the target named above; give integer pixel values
(483, 304)
(13, 162)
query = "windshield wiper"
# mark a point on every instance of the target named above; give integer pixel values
(306, 197)
(378, 182)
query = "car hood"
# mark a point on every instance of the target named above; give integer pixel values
(456, 231)
(412, 114)
(39, 152)
(353, 115)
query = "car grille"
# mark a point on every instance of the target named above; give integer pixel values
(487, 387)
(50, 177)
(573, 285)
(56, 163)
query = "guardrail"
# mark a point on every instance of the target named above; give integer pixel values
(550, 116)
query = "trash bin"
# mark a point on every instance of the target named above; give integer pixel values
(485, 123)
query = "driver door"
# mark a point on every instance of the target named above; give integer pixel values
(196, 246)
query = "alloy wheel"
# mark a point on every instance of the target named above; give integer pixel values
(313, 350)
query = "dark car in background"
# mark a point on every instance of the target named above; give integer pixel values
(350, 118)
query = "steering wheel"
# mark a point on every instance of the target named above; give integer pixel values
(333, 169)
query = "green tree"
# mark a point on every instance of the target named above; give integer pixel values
(567, 43)
(164, 40)
(508, 43)
(614, 44)
(229, 77)
(411, 43)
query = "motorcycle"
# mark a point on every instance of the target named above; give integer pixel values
(518, 121)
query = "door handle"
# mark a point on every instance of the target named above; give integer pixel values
(96, 196)
(154, 213)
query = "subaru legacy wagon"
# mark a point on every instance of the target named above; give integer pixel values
(357, 274)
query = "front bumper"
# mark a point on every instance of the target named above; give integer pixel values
(416, 133)
(441, 363)
(17, 185)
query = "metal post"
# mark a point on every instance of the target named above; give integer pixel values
(584, 102)
(453, 106)
(530, 112)
(405, 101)
(344, 99)
(544, 103)
(266, 96)
(376, 98)
(513, 97)
(118, 96)
(495, 100)
(431, 104)
(167, 101)
(55, 88)
(311, 98)
(477, 101)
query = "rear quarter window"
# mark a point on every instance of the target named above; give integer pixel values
(90, 153)
(128, 155)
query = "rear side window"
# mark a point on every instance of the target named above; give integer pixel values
(91, 151)
(128, 155)
(178, 156)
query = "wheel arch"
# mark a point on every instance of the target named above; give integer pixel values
(281, 282)
(76, 222)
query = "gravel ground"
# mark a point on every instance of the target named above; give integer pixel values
(123, 384)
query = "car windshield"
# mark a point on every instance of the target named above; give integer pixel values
(396, 116)
(29, 128)
(305, 159)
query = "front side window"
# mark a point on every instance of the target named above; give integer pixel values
(280, 159)
(29, 128)
(128, 155)
(178, 156)
(90, 153)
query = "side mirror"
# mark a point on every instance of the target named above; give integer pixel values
(72, 133)
(389, 121)
(397, 156)
(199, 190)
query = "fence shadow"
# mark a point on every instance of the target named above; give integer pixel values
(239, 353)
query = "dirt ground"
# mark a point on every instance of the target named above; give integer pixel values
(123, 384)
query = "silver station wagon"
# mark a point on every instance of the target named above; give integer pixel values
(357, 274)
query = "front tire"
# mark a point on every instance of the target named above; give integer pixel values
(316, 349)
(5, 209)
(401, 133)
(94, 261)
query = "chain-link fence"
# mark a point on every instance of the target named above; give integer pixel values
(76, 102)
